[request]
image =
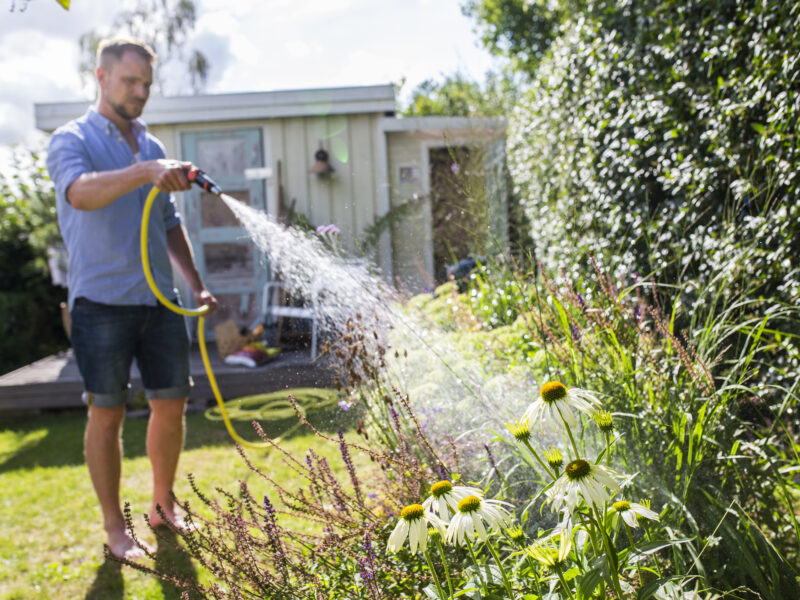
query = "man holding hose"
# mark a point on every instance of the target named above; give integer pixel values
(103, 165)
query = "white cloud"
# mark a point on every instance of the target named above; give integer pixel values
(301, 48)
(43, 70)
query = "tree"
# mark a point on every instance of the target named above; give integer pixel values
(457, 95)
(520, 30)
(166, 25)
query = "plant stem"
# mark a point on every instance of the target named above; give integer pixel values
(435, 577)
(477, 565)
(564, 581)
(569, 433)
(610, 552)
(502, 570)
(535, 576)
(538, 459)
(444, 564)
(655, 558)
(630, 539)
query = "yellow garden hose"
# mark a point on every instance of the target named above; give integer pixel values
(201, 322)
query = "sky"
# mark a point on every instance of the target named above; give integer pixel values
(252, 45)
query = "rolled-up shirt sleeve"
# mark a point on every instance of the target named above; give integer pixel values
(171, 216)
(67, 160)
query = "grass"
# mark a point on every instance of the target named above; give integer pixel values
(51, 535)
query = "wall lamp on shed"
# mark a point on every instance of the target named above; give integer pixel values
(321, 166)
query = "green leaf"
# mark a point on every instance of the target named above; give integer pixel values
(641, 551)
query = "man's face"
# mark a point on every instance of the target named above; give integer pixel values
(125, 84)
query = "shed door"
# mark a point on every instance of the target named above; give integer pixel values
(225, 256)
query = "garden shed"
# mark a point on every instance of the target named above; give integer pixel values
(339, 155)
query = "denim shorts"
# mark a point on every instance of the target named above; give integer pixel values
(106, 338)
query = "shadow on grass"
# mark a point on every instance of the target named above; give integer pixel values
(173, 563)
(56, 439)
(108, 583)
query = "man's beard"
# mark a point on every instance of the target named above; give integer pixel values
(124, 112)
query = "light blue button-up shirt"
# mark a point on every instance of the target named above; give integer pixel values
(104, 258)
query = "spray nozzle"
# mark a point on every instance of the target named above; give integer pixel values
(199, 177)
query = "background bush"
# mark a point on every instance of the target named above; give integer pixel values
(30, 318)
(662, 136)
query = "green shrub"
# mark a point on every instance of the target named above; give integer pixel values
(30, 318)
(655, 128)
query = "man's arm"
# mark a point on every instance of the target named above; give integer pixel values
(98, 189)
(182, 257)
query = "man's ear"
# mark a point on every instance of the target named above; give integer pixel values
(101, 73)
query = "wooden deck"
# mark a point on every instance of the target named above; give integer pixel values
(54, 382)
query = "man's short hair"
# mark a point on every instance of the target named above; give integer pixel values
(114, 47)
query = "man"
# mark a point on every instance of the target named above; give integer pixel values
(103, 165)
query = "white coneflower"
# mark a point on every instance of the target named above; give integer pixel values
(472, 512)
(555, 402)
(595, 483)
(413, 524)
(444, 494)
(631, 512)
(546, 552)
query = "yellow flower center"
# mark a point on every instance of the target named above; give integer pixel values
(621, 506)
(552, 391)
(469, 504)
(441, 488)
(578, 469)
(412, 512)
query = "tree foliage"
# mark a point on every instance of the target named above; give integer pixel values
(166, 25)
(30, 321)
(520, 30)
(663, 135)
(458, 95)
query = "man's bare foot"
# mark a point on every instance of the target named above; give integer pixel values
(175, 517)
(122, 545)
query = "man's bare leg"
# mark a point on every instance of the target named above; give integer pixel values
(165, 435)
(103, 449)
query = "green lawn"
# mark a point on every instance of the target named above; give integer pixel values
(51, 536)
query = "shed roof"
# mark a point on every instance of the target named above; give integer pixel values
(240, 106)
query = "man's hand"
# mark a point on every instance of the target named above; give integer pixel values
(169, 175)
(206, 298)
